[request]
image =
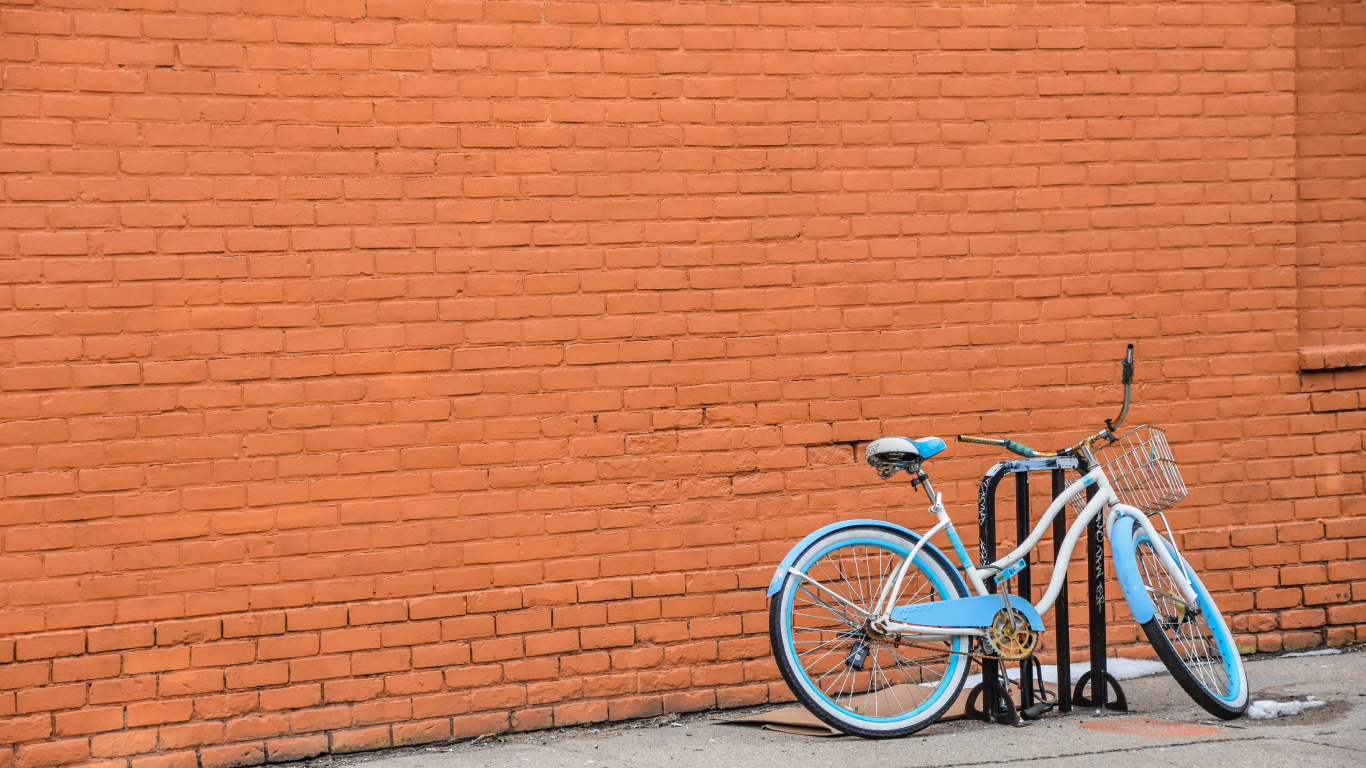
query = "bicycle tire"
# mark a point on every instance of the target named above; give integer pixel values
(1198, 649)
(800, 627)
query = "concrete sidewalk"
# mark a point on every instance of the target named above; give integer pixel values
(1183, 735)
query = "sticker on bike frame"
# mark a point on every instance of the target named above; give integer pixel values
(1005, 575)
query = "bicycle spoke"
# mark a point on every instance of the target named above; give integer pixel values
(845, 672)
(817, 599)
(875, 687)
(891, 690)
(882, 570)
(844, 578)
(913, 597)
(816, 663)
(856, 587)
(1185, 625)
(870, 690)
(921, 669)
(846, 626)
(916, 677)
(841, 658)
(827, 672)
(810, 651)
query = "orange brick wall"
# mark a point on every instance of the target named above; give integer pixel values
(387, 372)
(1330, 168)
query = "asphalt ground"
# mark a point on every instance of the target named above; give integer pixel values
(1162, 728)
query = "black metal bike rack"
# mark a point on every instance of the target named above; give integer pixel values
(997, 705)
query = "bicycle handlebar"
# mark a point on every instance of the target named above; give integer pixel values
(1009, 445)
(1127, 377)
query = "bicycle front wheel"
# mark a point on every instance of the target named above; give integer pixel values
(1194, 642)
(851, 676)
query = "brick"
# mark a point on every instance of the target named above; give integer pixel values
(158, 712)
(190, 735)
(361, 739)
(1302, 619)
(233, 755)
(625, 708)
(51, 697)
(295, 748)
(53, 753)
(90, 720)
(123, 743)
(580, 712)
(49, 645)
(23, 729)
(184, 759)
(469, 726)
(422, 732)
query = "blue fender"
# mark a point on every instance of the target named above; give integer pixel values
(1126, 570)
(929, 550)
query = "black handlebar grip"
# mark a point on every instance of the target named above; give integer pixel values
(1129, 366)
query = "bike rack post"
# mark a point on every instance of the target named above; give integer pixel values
(1101, 682)
(997, 705)
(1060, 608)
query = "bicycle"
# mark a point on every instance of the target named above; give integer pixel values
(874, 629)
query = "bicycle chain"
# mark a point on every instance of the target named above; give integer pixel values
(980, 657)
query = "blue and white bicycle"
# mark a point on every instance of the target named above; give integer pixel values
(874, 628)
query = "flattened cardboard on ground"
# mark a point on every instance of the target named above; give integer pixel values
(798, 720)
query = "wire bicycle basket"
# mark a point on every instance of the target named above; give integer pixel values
(1142, 470)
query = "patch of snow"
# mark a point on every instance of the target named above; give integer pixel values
(1320, 652)
(1268, 709)
(1120, 668)
(1128, 669)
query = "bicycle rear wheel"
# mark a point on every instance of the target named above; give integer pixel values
(1194, 642)
(850, 676)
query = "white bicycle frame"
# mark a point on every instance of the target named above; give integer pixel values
(1105, 498)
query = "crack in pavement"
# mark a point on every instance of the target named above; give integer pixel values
(1140, 748)
(1303, 740)
(1018, 760)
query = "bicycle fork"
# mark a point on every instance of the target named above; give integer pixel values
(1163, 546)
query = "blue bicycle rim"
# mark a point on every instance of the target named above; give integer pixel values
(1228, 650)
(943, 593)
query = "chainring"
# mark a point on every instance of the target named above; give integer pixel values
(1009, 636)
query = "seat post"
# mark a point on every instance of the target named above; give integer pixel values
(923, 480)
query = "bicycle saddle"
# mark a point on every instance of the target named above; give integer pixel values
(889, 455)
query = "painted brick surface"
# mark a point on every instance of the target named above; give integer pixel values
(1330, 165)
(386, 372)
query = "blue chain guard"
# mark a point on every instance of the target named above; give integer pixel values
(965, 613)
